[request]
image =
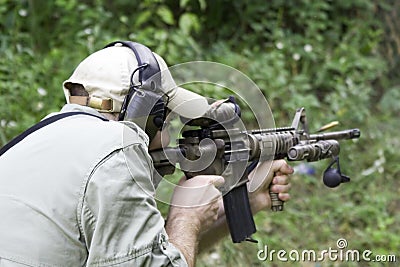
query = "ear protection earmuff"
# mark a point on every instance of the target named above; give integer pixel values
(144, 98)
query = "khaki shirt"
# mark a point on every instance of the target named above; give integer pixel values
(78, 192)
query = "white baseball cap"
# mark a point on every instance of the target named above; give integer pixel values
(106, 76)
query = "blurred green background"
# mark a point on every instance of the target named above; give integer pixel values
(339, 59)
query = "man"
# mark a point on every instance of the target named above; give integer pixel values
(79, 191)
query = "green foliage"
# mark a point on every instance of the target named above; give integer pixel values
(339, 59)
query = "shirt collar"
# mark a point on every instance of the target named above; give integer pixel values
(75, 107)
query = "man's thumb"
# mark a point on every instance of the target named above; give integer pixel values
(217, 180)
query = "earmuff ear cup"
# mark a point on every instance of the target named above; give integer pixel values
(150, 74)
(158, 121)
(144, 104)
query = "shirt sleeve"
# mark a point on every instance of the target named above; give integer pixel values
(120, 222)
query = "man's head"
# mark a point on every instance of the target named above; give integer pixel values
(105, 78)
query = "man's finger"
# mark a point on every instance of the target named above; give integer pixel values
(278, 188)
(281, 179)
(282, 167)
(284, 196)
(202, 181)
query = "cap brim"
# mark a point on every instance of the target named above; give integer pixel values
(181, 101)
(186, 103)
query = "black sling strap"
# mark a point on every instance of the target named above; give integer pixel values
(41, 124)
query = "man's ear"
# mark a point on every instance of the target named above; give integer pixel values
(76, 89)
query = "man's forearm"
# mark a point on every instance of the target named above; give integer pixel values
(184, 235)
(210, 237)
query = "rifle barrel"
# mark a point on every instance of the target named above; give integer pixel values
(345, 134)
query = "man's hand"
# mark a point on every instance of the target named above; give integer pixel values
(196, 200)
(194, 209)
(266, 174)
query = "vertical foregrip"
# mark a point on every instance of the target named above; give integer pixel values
(276, 203)
(238, 214)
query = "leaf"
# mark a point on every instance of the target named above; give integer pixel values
(143, 18)
(189, 22)
(390, 100)
(183, 3)
(166, 15)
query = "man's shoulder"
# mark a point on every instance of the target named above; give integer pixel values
(125, 131)
(131, 128)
